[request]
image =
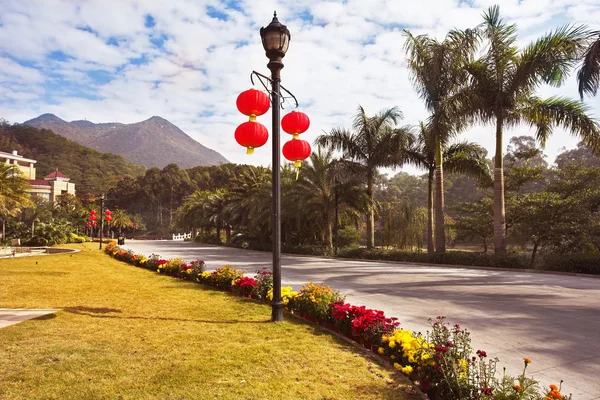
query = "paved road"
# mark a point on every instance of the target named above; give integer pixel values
(552, 319)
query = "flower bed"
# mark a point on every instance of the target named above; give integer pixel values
(441, 363)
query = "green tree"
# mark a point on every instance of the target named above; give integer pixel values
(375, 142)
(464, 158)
(324, 187)
(502, 91)
(437, 73)
(13, 194)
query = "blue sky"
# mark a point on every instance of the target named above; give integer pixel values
(187, 61)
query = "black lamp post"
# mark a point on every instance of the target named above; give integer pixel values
(276, 40)
(101, 218)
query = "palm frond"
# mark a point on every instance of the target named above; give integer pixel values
(549, 59)
(544, 114)
(588, 76)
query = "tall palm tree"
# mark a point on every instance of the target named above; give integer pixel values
(375, 142)
(502, 91)
(250, 203)
(437, 71)
(320, 185)
(588, 76)
(464, 158)
(13, 194)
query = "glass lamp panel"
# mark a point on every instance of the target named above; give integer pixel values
(272, 40)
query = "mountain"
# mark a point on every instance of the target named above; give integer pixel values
(154, 142)
(91, 171)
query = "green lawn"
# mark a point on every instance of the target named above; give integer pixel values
(128, 333)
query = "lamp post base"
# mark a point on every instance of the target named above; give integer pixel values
(277, 312)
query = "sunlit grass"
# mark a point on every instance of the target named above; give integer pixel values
(128, 333)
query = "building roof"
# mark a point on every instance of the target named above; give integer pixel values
(15, 156)
(38, 182)
(55, 175)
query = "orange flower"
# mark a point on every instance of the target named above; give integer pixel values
(527, 360)
(517, 387)
(553, 387)
(556, 394)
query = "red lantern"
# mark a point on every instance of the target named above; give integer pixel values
(93, 212)
(95, 224)
(108, 212)
(296, 150)
(93, 218)
(251, 135)
(108, 218)
(295, 123)
(89, 224)
(253, 103)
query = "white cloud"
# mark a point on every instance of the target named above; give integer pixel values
(342, 54)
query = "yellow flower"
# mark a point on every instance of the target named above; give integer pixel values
(381, 350)
(392, 344)
(398, 366)
(407, 370)
(385, 339)
(393, 357)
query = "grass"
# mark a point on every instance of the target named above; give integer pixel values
(128, 333)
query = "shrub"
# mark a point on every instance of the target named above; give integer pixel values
(348, 237)
(264, 283)
(225, 277)
(314, 299)
(197, 268)
(74, 238)
(244, 286)
(581, 263)
(450, 257)
(171, 267)
(363, 324)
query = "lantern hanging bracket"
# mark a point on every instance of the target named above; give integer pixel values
(283, 98)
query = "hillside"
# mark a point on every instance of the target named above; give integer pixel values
(154, 142)
(91, 171)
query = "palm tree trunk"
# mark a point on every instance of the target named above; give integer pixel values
(328, 231)
(371, 216)
(499, 212)
(228, 233)
(430, 212)
(218, 224)
(3, 231)
(440, 234)
(33, 228)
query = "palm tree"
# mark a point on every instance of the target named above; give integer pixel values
(375, 143)
(588, 76)
(437, 72)
(120, 219)
(215, 211)
(503, 84)
(465, 157)
(320, 191)
(13, 194)
(250, 203)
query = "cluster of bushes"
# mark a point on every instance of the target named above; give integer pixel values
(442, 363)
(450, 257)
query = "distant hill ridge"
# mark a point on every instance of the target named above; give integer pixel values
(154, 142)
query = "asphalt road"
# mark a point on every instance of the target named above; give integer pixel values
(552, 319)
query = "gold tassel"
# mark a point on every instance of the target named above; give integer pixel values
(250, 150)
(297, 165)
(252, 118)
